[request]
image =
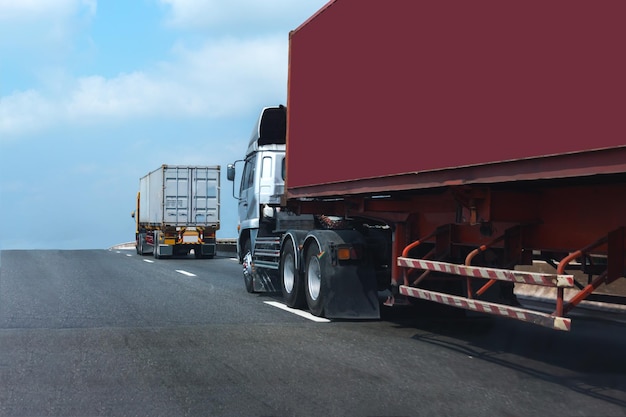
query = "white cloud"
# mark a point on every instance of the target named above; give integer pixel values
(218, 79)
(237, 14)
(233, 72)
(221, 77)
(24, 112)
(37, 24)
(28, 10)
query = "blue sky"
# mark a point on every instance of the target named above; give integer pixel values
(96, 94)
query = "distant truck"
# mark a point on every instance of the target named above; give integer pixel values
(437, 151)
(178, 210)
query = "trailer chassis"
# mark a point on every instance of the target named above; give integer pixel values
(535, 223)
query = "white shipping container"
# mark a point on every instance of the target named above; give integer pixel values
(180, 196)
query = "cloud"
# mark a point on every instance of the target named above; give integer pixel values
(44, 10)
(237, 14)
(217, 79)
(233, 72)
(37, 29)
(23, 112)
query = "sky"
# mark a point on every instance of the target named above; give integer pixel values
(95, 94)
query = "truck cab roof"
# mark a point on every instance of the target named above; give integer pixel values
(270, 129)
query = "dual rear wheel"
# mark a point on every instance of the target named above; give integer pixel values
(308, 289)
(291, 281)
(314, 272)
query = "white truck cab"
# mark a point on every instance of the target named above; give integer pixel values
(284, 251)
(263, 177)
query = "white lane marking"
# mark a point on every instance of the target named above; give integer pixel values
(234, 259)
(189, 274)
(300, 313)
(149, 261)
(128, 254)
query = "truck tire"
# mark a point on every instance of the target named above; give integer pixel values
(155, 245)
(315, 276)
(141, 241)
(247, 267)
(291, 282)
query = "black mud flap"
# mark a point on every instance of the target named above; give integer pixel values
(352, 294)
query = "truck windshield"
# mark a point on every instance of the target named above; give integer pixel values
(273, 128)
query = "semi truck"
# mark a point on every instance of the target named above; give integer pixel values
(442, 151)
(178, 211)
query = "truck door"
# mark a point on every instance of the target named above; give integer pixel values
(205, 193)
(248, 204)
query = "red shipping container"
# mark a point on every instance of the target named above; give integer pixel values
(381, 88)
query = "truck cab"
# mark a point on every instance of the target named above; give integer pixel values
(274, 242)
(262, 179)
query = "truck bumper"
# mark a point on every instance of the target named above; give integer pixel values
(164, 250)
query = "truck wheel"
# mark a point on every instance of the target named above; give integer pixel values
(155, 245)
(247, 267)
(315, 286)
(141, 240)
(290, 280)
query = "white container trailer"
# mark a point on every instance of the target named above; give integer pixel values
(178, 209)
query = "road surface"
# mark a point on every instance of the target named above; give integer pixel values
(110, 333)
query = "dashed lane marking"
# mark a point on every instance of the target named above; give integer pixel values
(150, 261)
(300, 313)
(189, 274)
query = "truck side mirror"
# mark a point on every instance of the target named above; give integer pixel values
(230, 172)
(230, 175)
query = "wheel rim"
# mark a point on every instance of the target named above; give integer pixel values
(247, 266)
(289, 276)
(314, 278)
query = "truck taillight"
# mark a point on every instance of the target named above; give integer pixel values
(343, 254)
(347, 253)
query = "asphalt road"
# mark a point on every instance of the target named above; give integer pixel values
(107, 333)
